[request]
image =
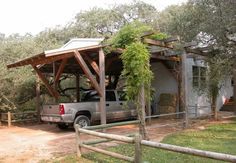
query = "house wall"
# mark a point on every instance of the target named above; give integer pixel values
(201, 100)
(163, 82)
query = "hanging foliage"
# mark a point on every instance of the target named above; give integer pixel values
(136, 69)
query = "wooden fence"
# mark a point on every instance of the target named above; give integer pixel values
(10, 118)
(137, 145)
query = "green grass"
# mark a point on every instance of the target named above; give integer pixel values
(219, 138)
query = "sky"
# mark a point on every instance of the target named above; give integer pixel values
(33, 16)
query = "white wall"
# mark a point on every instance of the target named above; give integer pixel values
(201, 100)
(163, 81)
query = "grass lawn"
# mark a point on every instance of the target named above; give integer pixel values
(218, 138)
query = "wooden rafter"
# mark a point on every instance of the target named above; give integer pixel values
(60, 70)
(92, 63)
(169, 58)
(158, 43)
(49, 60)
(45, 81)
(87, 72)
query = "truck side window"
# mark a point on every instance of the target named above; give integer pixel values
(110, 96)
(121, 95)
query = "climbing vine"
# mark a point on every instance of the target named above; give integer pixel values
(136, 69)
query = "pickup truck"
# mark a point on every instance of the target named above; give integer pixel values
(87, 112)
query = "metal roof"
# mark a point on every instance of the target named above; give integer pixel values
(79, 44)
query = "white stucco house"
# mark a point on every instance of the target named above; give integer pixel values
(198, 103)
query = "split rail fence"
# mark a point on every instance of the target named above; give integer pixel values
(10, 118)
(138, 142)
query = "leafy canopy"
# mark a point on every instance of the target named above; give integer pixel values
(129, 34)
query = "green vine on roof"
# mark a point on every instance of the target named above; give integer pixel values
(129, 34)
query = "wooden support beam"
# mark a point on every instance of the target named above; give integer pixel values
(87, 72)
(54, 69)
(77, 87)
(184, 86)
(92, 63)
(9, 119)
(102, 86)
(60, 70)
(38, 97)
(169, 58)
(53, 92)
(158, 43)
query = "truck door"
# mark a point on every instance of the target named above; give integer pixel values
(111, 106)
(126, 110)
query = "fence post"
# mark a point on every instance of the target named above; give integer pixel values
(138, 150)
(78, 141)
(186, 118)
(9, 118)
(196, 112)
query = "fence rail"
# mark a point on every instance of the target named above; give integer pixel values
(138, 142)
(10, 118)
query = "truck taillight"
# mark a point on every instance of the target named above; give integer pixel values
(61, 109)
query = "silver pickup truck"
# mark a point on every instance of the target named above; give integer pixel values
(87, 111)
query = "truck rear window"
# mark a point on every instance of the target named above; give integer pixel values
(93, 96)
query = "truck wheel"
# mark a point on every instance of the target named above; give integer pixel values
(62, 126)
(82, 121)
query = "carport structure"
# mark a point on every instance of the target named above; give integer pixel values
(94, 64)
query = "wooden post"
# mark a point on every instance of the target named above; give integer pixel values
(54, 79)
(141, 114)
(185, 86)
(234, 79)
(149, 112)
(138, 150)
(38, 97)
(78, 148)
(102, 86)
(9, 118)
(77, 87)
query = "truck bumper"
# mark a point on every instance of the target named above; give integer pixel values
(56, 118)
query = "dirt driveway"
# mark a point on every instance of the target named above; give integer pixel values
(38, 142)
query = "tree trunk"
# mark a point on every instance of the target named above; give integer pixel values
(141, 114)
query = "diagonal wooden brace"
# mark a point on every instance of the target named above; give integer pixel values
(87, 72)
(92, 63)
(60, 70)
(53, 92)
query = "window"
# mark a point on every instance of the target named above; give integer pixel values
(199, 77)
(110, 96)
(91, 96)
(121, 95)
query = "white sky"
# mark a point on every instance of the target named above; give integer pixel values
(33, 16)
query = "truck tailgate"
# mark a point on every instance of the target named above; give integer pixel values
(50, 109)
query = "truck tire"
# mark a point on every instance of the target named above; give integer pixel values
(62, 126)
(82, 121)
